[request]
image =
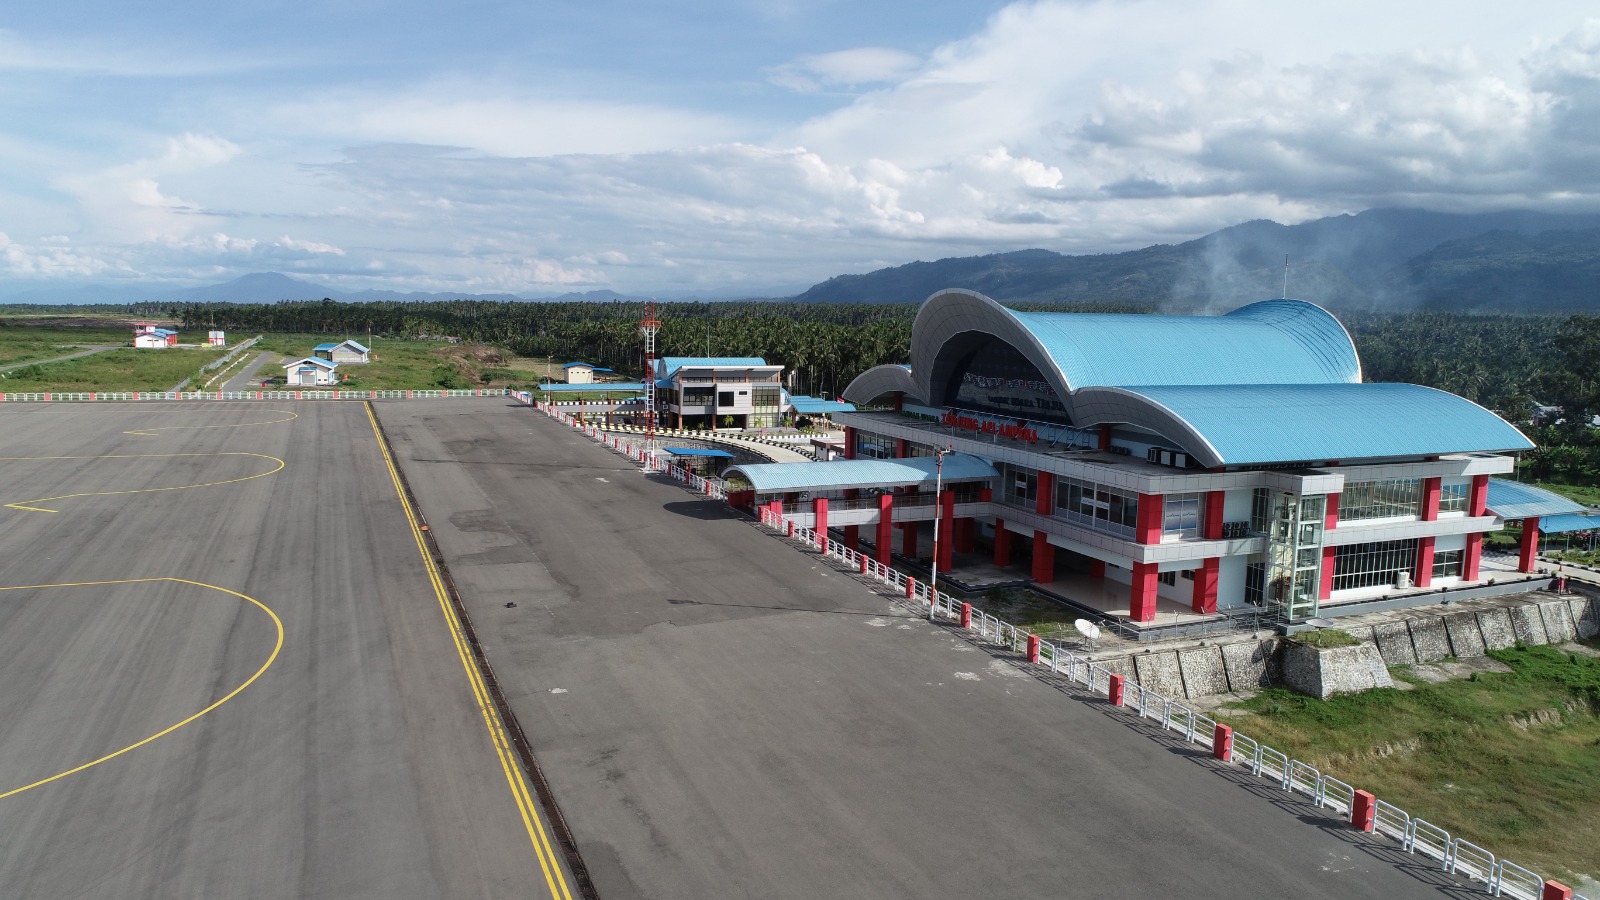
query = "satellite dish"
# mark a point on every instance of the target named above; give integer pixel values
(1320, 622)
(1087, 628)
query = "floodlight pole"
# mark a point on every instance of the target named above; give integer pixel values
(938, 513)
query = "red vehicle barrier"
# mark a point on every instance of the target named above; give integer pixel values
(1222, 743)
(1364, 811)
(1033, 648)
(1114, 691)
(966, 615)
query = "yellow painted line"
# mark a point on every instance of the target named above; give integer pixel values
(28, 504)
(277, 622)
(491, 717)
(152, 432)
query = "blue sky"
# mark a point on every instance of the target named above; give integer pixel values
(749, 148)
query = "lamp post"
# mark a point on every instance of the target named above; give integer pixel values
(938, 513)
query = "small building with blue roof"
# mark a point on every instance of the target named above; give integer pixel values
(1207, 465)
(343, 352)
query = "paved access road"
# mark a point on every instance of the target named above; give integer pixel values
(354, 764)
(720, 715)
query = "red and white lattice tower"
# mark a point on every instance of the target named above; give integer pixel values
(649, 327)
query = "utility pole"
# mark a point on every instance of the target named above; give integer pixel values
(938, 513)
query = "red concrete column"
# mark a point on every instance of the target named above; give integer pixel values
(1045, 501)
(819, 505)
(899, 400)
(1033, 648)
(902, 448)
(885, 526)
(966, 534)
(1330, 518)
(1478, 501)
(1423, 577)
(947, 530)
(1142, 599)
(1103, 441)
(1205, 586)
(908, 540)
(776, 506)
(1148, 529)
(1097, 568)
(1215, 504)
(1528, 559)
(852, 537)
(1430, 499)
(1044, 558)
(849, 442)
(1555, 890)
(1329, 554)
(1002, 543)
(1473, 557)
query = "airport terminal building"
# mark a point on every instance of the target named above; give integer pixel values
(1201, 463)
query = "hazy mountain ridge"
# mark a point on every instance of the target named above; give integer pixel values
(1379, 259)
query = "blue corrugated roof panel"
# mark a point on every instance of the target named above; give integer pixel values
(1561, 523)
(324, 347)
(670, 364)
(1273, 342)
(603, 387)
(1249, 424)
(814, 405)
(1515, 500)
(863, 473)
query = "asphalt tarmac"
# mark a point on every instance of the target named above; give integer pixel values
(720, 715)
(225, 606)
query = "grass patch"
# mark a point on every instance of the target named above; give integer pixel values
(1326, 638)
(29, 343)
(1507, 761)
(114, 370)
(1587, 494)
(406, 365)
(1040, 615)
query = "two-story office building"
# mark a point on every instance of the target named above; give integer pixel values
(739, 392)
(1211, 461)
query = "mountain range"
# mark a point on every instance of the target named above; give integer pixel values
(1381, 259)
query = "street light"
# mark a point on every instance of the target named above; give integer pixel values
(938, 513)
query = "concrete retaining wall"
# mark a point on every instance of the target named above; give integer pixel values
(1160, 673)
(1466, 639)
(1337, 670)
(1203, 672)
(1394, 643)
(1495, 624)
(1528, 625)
(1430, 639)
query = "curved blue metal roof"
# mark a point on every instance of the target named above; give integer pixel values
(1516, 500)
(1254, 423)
(1272, 342)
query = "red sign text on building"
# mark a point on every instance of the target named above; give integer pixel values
(990, 426)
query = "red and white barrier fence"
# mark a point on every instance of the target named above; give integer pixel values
(710, 487)
(1361, 809)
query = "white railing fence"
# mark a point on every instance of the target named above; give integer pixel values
(1457, 856)
(710, 487)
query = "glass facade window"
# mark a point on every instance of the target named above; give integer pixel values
(1375, 564)
(1170, 579)
(1180, 516)
(1260, 510)
(872, 446)
(1255, 579)
(766, 401)
(1386, 499)
(1022, 485)
(1453, 496)
(1447, 563)
(1097, 506)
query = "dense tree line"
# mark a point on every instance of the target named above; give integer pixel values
(1505, 362)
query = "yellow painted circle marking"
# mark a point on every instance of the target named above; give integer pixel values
(29, 506)
(277, 622)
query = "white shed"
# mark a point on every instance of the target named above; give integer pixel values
(343, 352)
(309, 372)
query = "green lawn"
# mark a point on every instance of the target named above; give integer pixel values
(114, 370)
(396, 365)
(1471, 756)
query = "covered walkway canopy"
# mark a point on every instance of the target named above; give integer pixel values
(918, 471)
(812, 406)
(598, 387)
(707, 452)
(1515, 500)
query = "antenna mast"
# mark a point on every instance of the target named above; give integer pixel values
(1286, 276)
(649, 328)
